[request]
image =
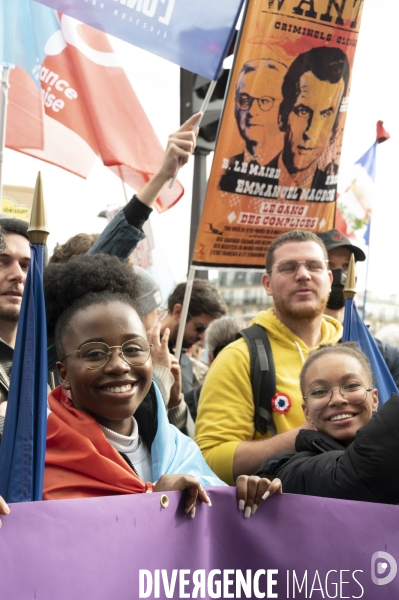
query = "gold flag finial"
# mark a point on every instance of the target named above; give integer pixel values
(350, 283)
(37, 231)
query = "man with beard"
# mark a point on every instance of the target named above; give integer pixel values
(14, 265)
(299, 281)
(206, 305)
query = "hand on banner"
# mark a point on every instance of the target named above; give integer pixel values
(173, 483)
(4, 508)
(160, 354)
(176, 395)
(251, 490)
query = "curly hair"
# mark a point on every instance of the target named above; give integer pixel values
(346, 349)
(65, 283)
(82, 303)
(78, 244)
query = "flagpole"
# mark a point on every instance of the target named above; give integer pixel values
(3, 120)
(184, 312)
(367, 277)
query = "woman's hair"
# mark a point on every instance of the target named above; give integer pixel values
(81, 282)
(78, 244)
(348, 349)
(83, 303)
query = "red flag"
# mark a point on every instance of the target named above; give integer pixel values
(90, 109)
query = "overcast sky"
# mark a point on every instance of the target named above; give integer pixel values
(73, 203)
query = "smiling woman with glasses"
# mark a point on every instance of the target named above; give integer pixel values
(351, 453)
(107, 430)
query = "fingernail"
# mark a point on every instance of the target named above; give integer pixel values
(265, 495)
(193, 513)
(209, 503)
(7, 509)
(254, 509)
(241, 504)
(247, 512)
(1, 524)
(189, 508)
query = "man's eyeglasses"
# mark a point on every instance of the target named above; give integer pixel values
(245, 101)
(95, 355)
(290, 267)
(199, 327)
(319, 397)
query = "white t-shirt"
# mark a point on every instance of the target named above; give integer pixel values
(133, 447)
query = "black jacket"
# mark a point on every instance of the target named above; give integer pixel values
(367, 470)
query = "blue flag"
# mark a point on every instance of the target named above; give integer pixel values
(23, 447)
(356, 331)
(22, 40)
(195, 34)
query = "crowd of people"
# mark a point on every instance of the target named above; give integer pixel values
(284, 405)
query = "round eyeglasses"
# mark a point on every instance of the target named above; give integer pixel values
(245, 101)
(319, 397)
(95, 355)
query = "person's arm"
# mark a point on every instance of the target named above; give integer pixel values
(224, 428)
(125, 231)
(250, 455)
(365, 471)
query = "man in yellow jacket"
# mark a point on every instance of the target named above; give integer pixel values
(298, 279)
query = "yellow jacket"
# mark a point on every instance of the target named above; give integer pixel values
(226, 408)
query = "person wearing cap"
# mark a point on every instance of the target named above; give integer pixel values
(339, 249)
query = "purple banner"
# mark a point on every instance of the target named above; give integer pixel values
(193, 34)
(129, 547)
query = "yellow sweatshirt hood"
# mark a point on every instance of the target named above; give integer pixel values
(289, 353)
(331, 332)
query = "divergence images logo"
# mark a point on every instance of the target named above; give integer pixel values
(379, 565)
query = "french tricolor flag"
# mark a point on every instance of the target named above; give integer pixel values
(355, 201)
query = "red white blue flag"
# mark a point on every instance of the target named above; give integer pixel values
(70, 101)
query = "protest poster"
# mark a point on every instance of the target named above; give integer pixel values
(277, 155)
(131, 547)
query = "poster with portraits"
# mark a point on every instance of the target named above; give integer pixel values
(277, 154)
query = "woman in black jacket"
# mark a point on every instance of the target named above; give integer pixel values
(352, 452)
